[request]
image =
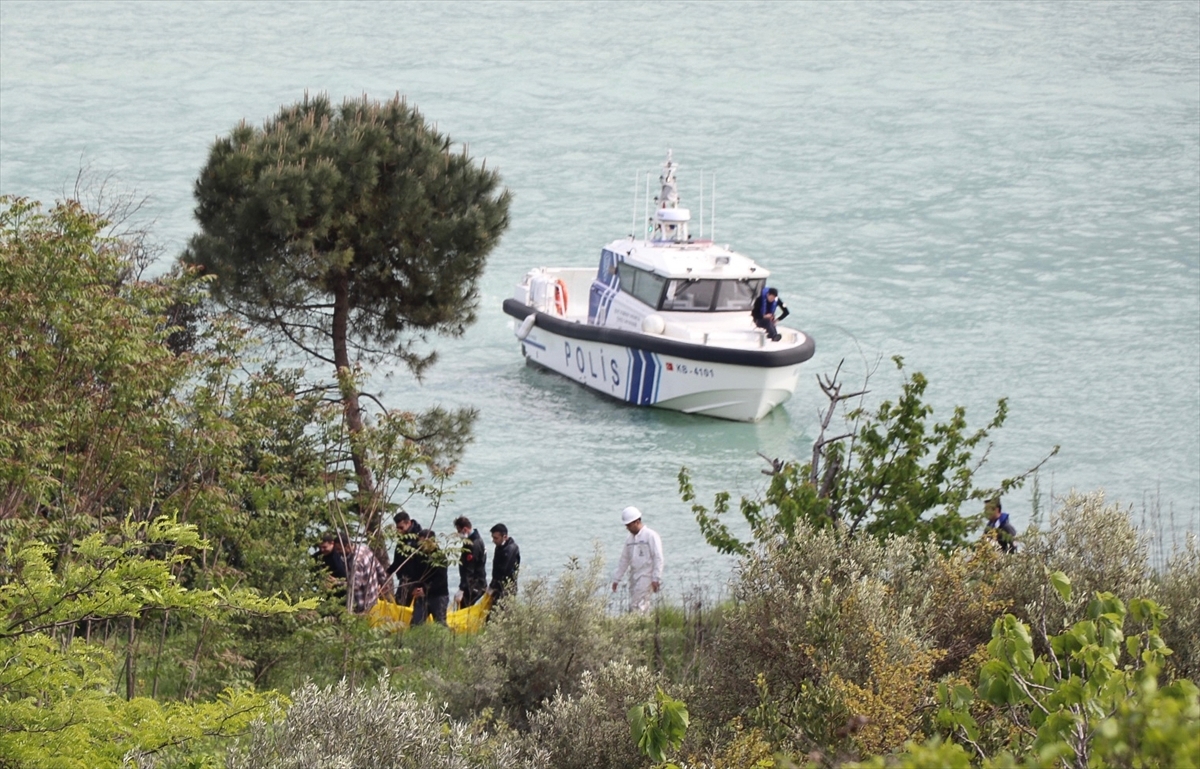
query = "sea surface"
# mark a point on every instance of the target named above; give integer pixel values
(1006, 194)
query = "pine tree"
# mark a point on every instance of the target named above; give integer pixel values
(354, 233)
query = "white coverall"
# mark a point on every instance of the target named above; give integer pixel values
(642, 557)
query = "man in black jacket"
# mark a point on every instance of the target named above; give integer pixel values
(432, 592)
(472, 565)
(405, 567)
(331, 563)
(1006, 533)
(506, 562)
(768, 310)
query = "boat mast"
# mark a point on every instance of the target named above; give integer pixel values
(670, 221)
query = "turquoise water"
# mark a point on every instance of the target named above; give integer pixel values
(1006, 194)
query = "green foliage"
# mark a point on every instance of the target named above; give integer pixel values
(145, 487)
(589, 729)
(934, 754)
(541, 642)
(1094, 697)
(359, 214)
(57, 699)
(352, 230)
(376, 726)
(1093, 541)
(805, 617)
(828, 646)
(85, 406)
(100, 421)
(675, 637)
(658, 726)
(891, 472)
(898, 468)
(1179, 592)
(107, 435)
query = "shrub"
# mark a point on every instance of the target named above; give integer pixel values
(58, 704)
(1094, 698)
(955, 598)
(888, 472)
(340, 726)
(742, 749)
(830, 633)
(804, 614)
(1179, 591)
(1093, 542)
(539, 643)
(589, 729)
(893, 697)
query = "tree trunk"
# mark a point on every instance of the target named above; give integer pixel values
(368, 507)
(130, 662)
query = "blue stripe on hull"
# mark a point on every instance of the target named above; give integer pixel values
(645, 375)
(633, 392)
(658, 369)
(649, 378)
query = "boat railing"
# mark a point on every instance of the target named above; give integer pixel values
(755, 338)
(558, 291)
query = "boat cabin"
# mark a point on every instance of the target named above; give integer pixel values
(702, 287)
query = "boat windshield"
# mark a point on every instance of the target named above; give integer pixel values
(711, 295)
(642, 284)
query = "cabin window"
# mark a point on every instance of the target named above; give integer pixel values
(608, 267)
(690, 295)
(711, 295)
(644, 286)
(738, 294)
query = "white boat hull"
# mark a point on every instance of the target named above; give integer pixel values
(668, 377)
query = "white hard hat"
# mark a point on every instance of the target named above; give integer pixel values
(629, 515)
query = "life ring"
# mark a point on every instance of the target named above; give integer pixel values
(560, 297)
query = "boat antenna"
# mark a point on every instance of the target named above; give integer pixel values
(712, 220)
(647, 202)
(702, 204)
(633, 219)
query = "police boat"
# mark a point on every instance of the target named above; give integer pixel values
(664, 321)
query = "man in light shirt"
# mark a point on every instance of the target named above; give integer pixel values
(642, 557)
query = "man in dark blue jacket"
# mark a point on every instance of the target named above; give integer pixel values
(405, 568)
(506, 562)
(431, 595)
(768, 310)
(1006, 533)
(331, 564)
(472, 564)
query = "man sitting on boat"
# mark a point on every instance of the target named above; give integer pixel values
(768, 310)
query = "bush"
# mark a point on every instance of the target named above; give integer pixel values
(589, 729)
(1096, 544)
(836, 643)
(340, 726)
(1179, 592)
(805, 616)
(58, 704)
(1094, 699)
(539, 643)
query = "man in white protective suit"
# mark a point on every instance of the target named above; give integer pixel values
(642, 557)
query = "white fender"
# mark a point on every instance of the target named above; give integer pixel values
(526, 326)
(653, 324)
